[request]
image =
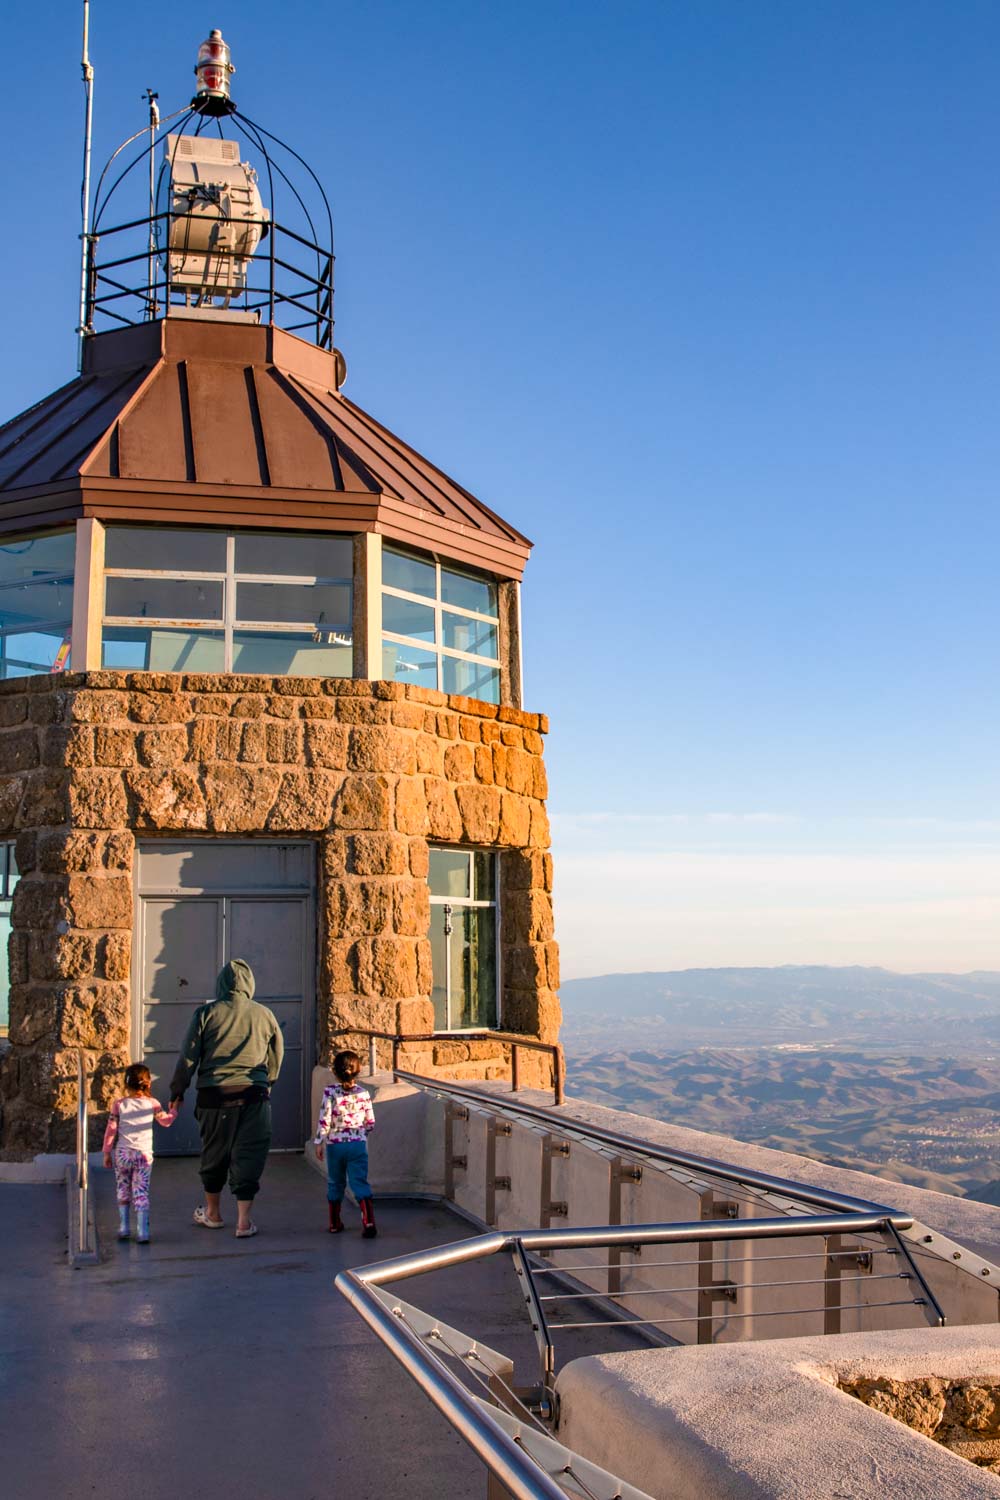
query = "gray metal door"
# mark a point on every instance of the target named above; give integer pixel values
(200, 905)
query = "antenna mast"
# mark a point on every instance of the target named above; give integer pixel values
(88, 130)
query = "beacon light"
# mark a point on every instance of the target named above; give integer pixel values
(213, 71)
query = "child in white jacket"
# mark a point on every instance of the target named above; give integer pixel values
(345, 1119)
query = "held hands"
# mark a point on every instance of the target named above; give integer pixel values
(107, 1158)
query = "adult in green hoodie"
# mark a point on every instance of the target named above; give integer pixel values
(236, 1046)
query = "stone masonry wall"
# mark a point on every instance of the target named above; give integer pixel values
(373, 771)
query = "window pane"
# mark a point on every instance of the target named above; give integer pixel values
(439, 968)
(163, 599)
(449, 873)
(326, 604)
(484, 886)
(36, 602)
(471, 680)
(468, 593)
(26, 652)
(409, 664)
(165, 548)
(473, 967)
(280, 653)
(163, 650)
(301, 556)
(401, 617)
(409, 573)
(463, 634)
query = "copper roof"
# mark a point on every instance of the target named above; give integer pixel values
(232, 424)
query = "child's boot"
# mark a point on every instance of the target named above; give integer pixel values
(123, 1224)
(336, 1223)
(142, 1226)
(368, 1219)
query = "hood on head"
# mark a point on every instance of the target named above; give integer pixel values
(235, 982)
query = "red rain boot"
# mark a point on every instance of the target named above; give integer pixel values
(368, 1219)
(336, 1225)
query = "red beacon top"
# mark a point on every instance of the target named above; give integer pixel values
(213, 71)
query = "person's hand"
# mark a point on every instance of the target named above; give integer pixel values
(107, 1158)
(175, 1104)
(319, 1153)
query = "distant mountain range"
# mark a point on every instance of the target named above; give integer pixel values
(808, 1004)
(897, 1074)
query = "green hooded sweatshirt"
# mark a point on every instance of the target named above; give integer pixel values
(232, 1040)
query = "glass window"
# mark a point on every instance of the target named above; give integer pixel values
(463, 939)
(471, 679)
(36, 603)
(326, 604)
(8, 880)
(450, 872)
(163, 599)
(401, 663)
(467, 592)
(462, 633)
(165, 549)
(292, 556)
(463, 628)
(291, 653)
(403, 617)
(413, 575)
(187, 638)
(137, 650)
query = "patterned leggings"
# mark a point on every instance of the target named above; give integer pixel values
(132, 1177)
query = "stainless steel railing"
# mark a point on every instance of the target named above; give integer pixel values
(428, 1349)
(82, 1215)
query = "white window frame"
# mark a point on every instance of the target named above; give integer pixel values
(465, 902)
(437, 647)
(228, 624)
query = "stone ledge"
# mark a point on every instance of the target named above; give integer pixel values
(766, 1421)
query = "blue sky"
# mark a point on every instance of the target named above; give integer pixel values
(703, 297)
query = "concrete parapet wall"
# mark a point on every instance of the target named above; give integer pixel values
(512, 1174)
(767, 1421)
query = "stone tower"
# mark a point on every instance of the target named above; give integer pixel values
(260, 690)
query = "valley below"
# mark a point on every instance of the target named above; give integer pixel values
(898, 1075)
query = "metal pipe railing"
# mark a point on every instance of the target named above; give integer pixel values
(82, 1161)
(472, 1419)
(635, 1146)
(511, 1039)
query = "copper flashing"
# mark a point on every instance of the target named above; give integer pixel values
(234, 424)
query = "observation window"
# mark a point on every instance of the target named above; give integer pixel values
(464, 935)
(36, 603)
(209, 601)
(440, 627)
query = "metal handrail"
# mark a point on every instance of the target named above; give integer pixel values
(472, 1419)
(82, 1161)
(512, 1039)
(634, 1145)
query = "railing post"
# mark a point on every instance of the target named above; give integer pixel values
(515, 1083)
(395, 1054)
(372, 1056)
(558, 1072)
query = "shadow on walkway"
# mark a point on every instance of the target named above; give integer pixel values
(202, 1364)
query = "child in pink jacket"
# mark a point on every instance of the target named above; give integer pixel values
(128, 1146)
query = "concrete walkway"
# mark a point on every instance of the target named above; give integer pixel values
(202, 1364)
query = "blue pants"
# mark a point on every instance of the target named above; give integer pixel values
(347, 1162)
